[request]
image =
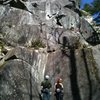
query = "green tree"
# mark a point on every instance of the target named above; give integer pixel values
(93, 8)
(88, 8)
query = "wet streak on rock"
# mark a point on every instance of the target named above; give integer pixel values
(30, 85)
(88, 75)
(73, 77)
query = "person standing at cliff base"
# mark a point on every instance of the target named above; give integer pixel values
(59, 89)
(46, 85)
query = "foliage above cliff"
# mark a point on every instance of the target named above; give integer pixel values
(94, 8)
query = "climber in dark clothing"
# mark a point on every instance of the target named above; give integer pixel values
(46, 84)
(59, 89)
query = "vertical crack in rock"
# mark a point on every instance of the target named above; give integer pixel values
(88, 75)
(73, 77)
(47, 37)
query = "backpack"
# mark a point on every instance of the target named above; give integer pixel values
(46, 84)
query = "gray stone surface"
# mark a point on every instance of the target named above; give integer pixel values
(21, 74)
(77, 71)
(66, 54)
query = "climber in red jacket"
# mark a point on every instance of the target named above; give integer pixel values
(59, 89)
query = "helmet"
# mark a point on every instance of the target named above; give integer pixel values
(58, 90)
(47, 77)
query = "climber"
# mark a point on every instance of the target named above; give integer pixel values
(46, 85)
(59, 89)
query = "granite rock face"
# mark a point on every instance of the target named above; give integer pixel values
(44, 18)
(21, 74)
(39, 37)
(79, 71)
